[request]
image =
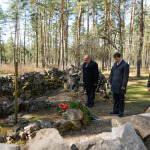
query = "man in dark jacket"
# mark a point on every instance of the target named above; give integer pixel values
(118, 79)
(90, 79)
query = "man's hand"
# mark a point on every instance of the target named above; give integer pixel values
(123, 88)
(95, 84)
(148, 89)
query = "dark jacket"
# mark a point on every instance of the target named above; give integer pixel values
(90, 73)
(119, 77)
(148, 85)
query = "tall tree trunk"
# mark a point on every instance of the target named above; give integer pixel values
(131, 29)
(141, 40)
(124, 36)
(45, 37)
(25, 39)
(20, 51)
(78, 40)
(16, 30)
(105, 32)
(59, 49)
(37, 45)
(110, 29)
(47, 47)
(119, 26)
(144, 40)
(11, 42)
(88, 28)
(42, 44)
(62, 43)
(93, 28)
(56, 42)
(66, 36)
(52, 54)
(49, 40)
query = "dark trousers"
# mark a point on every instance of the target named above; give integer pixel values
(118, 103)
(90, 91)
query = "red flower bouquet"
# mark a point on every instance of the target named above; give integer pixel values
(62, 107)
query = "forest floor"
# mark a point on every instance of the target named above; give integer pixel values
(137, 98)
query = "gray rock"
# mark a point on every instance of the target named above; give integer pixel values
(121, 138)
(84, 145)
(46, 124)
(148, 110)
(76, 124)
(28, 117)
(23, 135)
(81, 89)
(74, 114)
(125, 131)
(32, 135)
(31, 127)
(11, 134)
(9, 140)
(17, 127)
(32, 108)
(44, 98)
(85, 120)
(140, 123)
(24, 106)
(44, 73)
(2, 139)
(47, 139)
(9, 147)
(118, 144)
(145, 115)
(63, 125)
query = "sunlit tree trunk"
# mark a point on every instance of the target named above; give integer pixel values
(42, 44)
(141, 40)
(62, 43)
(37, 45)
(120, 27)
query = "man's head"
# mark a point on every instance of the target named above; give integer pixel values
(117, 56)
(87, 59)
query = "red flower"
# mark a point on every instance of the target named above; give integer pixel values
(60, 105)
(65, 107)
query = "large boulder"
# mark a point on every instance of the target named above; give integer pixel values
(74, 114)
(31, 127)
(148, 110)
(118, 144)
(48, 139)
(125, 131)
(121, 138)
(9, 147)
(140, 122)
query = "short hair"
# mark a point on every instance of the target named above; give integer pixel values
(117, 55)
(87, 56)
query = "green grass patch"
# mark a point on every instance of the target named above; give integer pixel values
(4, 130)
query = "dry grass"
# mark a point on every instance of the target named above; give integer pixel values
(6, 69)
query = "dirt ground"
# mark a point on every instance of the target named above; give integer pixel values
(101, 110)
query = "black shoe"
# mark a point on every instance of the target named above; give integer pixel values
(120, 115)
(86, 104)
(90, 106)
(113, 113)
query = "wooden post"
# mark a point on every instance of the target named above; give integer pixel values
(16, 92)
